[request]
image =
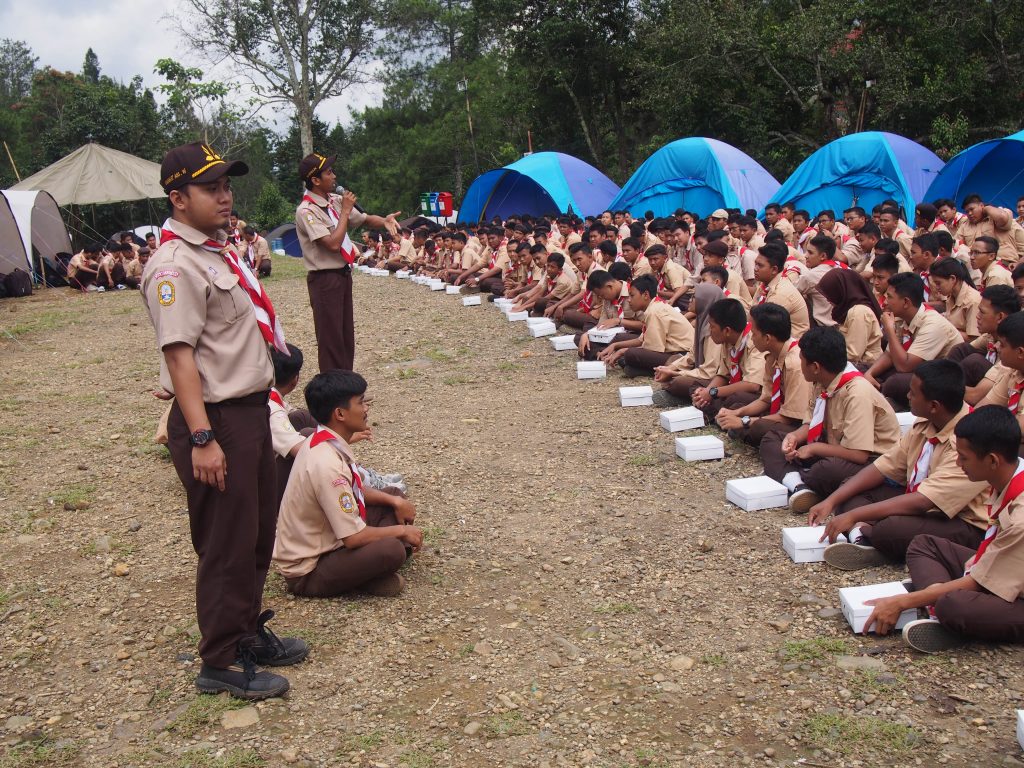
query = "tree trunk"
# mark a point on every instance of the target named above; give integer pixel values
(457, 172)
(304, 115)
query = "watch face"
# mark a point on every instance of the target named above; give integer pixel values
(201, 437)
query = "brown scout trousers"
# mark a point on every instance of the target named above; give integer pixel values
(822, 476)
(232, 531)
(343, 570)
(978, 615)
(330, 296)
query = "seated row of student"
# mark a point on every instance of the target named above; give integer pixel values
(1007, 379)
(611, 288)
(854, 311)
(978, 356)
(110, 272)
(915, 487)
(971, 594)
(851, 423)
(697, 368)
(581, 309)
(557, 284)
(914, 333)
(739, 371)
(665, 332)
(334, 534)
(782, 404)
(774, 288)
(84, 266)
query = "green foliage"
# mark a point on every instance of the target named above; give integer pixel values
(270, 208)
(859, 733)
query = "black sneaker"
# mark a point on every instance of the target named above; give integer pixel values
(665, 399)
(243, 680)
(269, 650)
(929, 636)
(802, 499)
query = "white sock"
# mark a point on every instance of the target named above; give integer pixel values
(855, 536)
(792, 480)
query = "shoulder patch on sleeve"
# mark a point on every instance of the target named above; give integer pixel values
(165, 293)
(339, 481)
(347, 503)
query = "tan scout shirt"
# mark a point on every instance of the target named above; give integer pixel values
(673, 277)
(611, 312)
(133, 269)
(258, 250)
(1006, 379)
(963, 312)
(796, 390)
(854, 254)
(969, 232)
(807, 285)
(737, 289)
(995, 274)
(319, 509)
(641, 267)
(858, 417)
(933, 336)
(747, 254)
(313, 222)
(863, 335)
(751, 364)
(1001, 568)
(194, 298)
(564, 286)
(782, 292)
(946, 486)
(786, 228)
(665, 329)
(406, 251)
(282, 433)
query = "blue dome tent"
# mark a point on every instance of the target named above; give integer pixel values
(862, 169)
(993, 169)
(699, 175)
(540, 183)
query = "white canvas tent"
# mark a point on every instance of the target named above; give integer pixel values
(94, 175)
(38, 229)
(12, 248)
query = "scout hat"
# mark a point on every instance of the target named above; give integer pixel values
(196, 163)
(720, 213)
(312, 164)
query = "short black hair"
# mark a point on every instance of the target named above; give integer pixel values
(646, 284)
(942, 381)
(825, 245)
(286, 367)
(944, 239)
(747, 221)
(989, 242)
(926, 211)
(871, 230)
(825, 346)
(856, 211)
(632, 242)
(93, 248)
(249, 230)
(656, 250)
(1003, 298)
(620, 270)
(775, 254)
(908, 286)
(330, 390)
(718, 271)
(927, 242)
(607, 247)
(576, 247)
(1012, 329)
(729, 313)
(972, 198)
(1018, 272)
(598, 279)
(554, 258)
(990, 429)
(773, 207)
(773, 320)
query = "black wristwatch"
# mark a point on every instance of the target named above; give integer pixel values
(713, 392)
(745, 421)
(201, 437)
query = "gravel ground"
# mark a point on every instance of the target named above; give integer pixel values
(584, 598)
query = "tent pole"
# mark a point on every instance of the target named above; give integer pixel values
(15, 167)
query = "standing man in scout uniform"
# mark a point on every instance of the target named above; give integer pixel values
(213, 322)
(322, 222)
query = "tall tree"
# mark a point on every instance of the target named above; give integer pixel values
(17, 65)
(295, 52)
(91, 67)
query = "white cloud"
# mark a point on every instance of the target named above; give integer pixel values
(129, 36)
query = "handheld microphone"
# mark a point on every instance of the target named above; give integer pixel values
(340, 190)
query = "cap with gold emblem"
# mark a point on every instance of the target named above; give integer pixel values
(196, 163)
(313, 164)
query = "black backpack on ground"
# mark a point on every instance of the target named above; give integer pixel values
(18, 283)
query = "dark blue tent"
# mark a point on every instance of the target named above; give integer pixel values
(545, 182)
(289, 239)
(993, 169)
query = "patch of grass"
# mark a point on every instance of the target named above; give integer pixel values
(317, 637)
(75, 494)
(643, 460)
(867, 681)
(715, 660)
(434, 533)
(436, 579)
(813, 649)
(41, 753)
(505, 725)
(438, 355)
(451, 381)
(402, 355)
(847, 734)
(44, 321)
(417, 758)
(274, 586)
(232, 758)
(616, 608)
(407, 373)
(509, 367)
(203, 712)
(647, 758)
(5, 597)
(367, 741)
(465, 650)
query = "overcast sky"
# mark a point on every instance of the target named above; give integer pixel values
(129, 37)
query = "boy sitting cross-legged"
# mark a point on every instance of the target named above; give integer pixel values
(333, 534)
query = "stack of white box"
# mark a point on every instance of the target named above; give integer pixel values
(503, 304)
(563, 343)
(540, 326)
(403, 274)
(631, 397)
(437, 285)
(590, 370)
(453, 290)
(755, 493)
(802, 545)
(852, 599)
(471, 301)
(515, 317)
(700, 448)
(605, 335)
(681, 419)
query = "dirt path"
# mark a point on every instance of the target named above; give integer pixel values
(584, 598)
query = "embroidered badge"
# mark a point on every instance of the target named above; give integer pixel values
(309, 217)
(348, 504)
(165, 273)
(338, 481)
(165, 293)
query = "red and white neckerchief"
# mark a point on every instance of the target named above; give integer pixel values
(936, 224)
(235, 236)
(275, 397)
(494, 254)
(1013, 400)
(346, 249)
(880, 298)
(725, 293)
(762, 293)
(806, 236)
(992, 352)
(587, 302)
(926, 279)
(956, 222)
(617, 303)
(908, 337)
(778, 396)
(661, 280)
(790, 269)
(735, 353)
(1013, 490)
(326, 436)
(552, 283)
(816, 427)
(922, 466)
(250, 253)
(266, 318)
(835, 264)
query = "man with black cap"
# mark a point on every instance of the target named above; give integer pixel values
(213, 322)
(322, 222)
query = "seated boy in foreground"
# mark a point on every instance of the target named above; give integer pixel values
(926, 491)
(851, 424)
(974, 595)
(333, 534)
(740, 373)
